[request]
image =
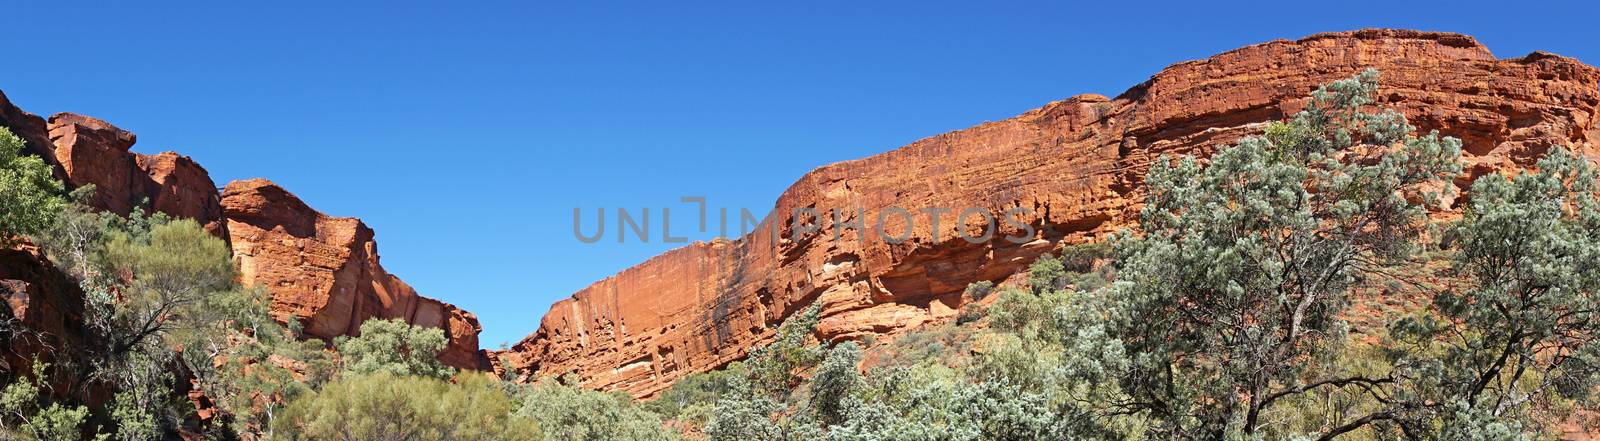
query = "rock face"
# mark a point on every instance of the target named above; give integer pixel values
(31, 128)
(41, 309)
(324, 271)
(178, 186)
(1075, 165)
(321, 270)
(88, 151)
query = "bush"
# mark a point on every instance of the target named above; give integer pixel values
(980, 289)
(30, 196)
(382, 406)
(569, 413)
(396, 348)
(1046, 274)
(1080, 258)
(970, 313)
(27, 413)
(691, 397)
(834, 381)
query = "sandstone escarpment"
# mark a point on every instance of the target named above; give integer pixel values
(320, 270)
(89, 151)
(324, 271)
(1076, 166)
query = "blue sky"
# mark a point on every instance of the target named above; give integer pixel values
(466, 136)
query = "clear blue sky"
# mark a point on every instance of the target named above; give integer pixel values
(465, 136)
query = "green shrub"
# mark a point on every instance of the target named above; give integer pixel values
(382, 406)
(395, 347)
(1046, 274)
(28, 414)
(30, 196)
(691, 397)
(970, 313)
(1081, 258)
(569, 413)
(979, 290)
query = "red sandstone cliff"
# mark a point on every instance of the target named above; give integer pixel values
(324, 271)
(1077, 164)
(321, 270)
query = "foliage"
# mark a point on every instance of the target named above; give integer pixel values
(970, 313)
(30, 196)
(751, 409)
(248, 363)
(836, 378)
(1232, 298)
(774, 369)
(382, 406)
(691, 398)
(1522, 334)
(1081, 258)
(569, 413)
(979, 290)
(396, 348)
(27, 413)
(1046, 274)
(171, 269)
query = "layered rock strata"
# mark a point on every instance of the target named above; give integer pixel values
(1075, 166)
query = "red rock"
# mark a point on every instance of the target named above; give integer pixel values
(91, 151)
(46, 304)
(178, 186)
(31, 128)
(321, 270)
(324, 271)
(1078, 164)
(94, 152)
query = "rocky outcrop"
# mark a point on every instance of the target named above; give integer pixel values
(178, 186)
(89, 151)
(320, 270)
(94, 152)
(324, 271)
(31, 128)
(1076, 166)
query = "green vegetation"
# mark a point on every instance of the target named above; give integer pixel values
(979, 290)
(396, 348)
(567, 412)
(29, 195)
(382, 406)
(26, 416)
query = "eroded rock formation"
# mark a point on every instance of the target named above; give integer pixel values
(1076, 165)
(89, 151)
(320, 270)
(324, 271)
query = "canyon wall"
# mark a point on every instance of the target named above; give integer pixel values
(321, 271)
(1075, 165)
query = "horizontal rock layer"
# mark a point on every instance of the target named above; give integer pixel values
(1076, 165)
